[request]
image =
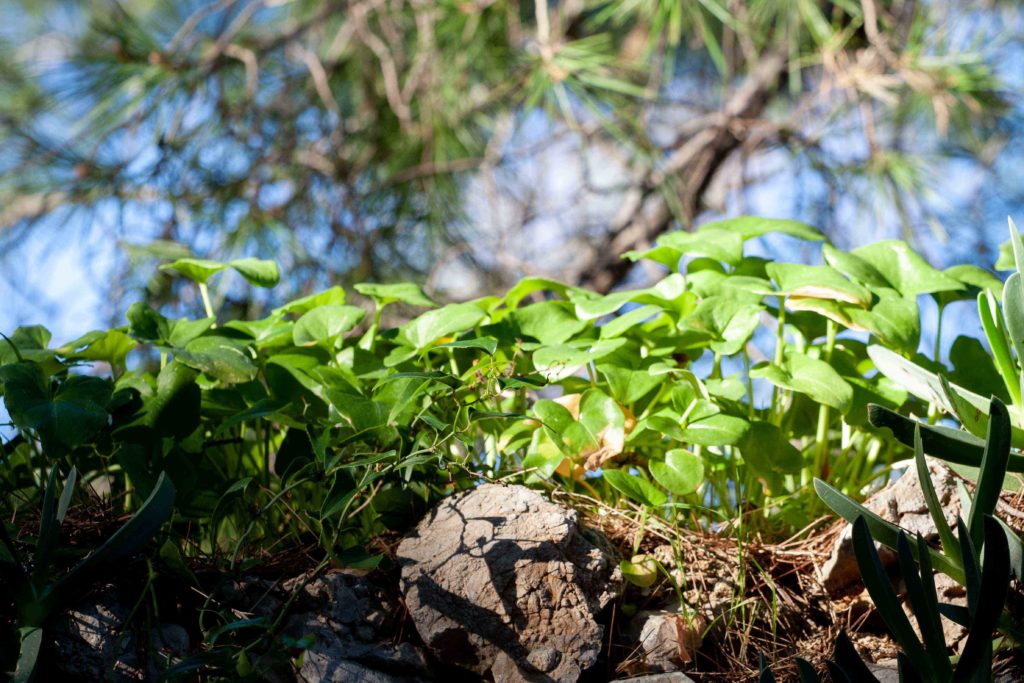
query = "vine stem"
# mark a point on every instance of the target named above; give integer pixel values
(821, 438)
(205, 293)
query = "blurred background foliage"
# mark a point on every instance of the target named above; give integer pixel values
(465, 144)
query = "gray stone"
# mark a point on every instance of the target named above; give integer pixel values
(91, 643)
(499, 579)
(902, 503)
(353, 623)
(667, 640)
(673, 677)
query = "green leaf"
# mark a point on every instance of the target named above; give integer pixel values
(635, 488)
(976, 656)
(111, 346)
(993, 470)
(876, 579)
(549, 322)
(335, 296)
(924, 602)
(75, 414)
(815, 378)
(262, 273)
(817, 282)
(682, 472)
(721, 245)
(855, 267)
(488, 344)
(1013, 311)
(882, 531)
(31, 643)
(127, 540)
(768, 452)
(729, 322)
(196, 269)
(716, 430)
(442, 322)
(403, 292)
(559, 361)
(950, 546)
(905, 269)
(325, 324)
(894, 319)
(220, 358)
(748, 227)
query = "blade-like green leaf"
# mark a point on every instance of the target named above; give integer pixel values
(993, 470)
(949, 542)
(130, 538)
(924, 603)
(882, 531)
(976, 657)
(28, 655)
(876, 579)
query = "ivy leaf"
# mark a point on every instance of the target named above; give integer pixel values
(635, 488)
(442, 322)
(730, 322)
(754, 226)
(325, 324)
(399, 292)
(259, 272)
(854, 266)
(112, 346)
(220, 358)
(549, 322)
(559, 361)
(682, 472)
(905, 269)
(196, 269)
(335, 296)
(815, 378)
(720, 245)
(715, 430)
(817, 282)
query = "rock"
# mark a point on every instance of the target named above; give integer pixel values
(353, 622)
(667, 640)
(901, 503)
(948, 591)
(674, 677)
(91, 644)
(499, 579)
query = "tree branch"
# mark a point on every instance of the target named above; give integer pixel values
(646, 212)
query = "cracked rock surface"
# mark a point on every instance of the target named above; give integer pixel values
(500, 579)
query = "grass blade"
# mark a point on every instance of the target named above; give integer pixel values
(972, 573)
(806, 672)
(49, 529)
(66, 494)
